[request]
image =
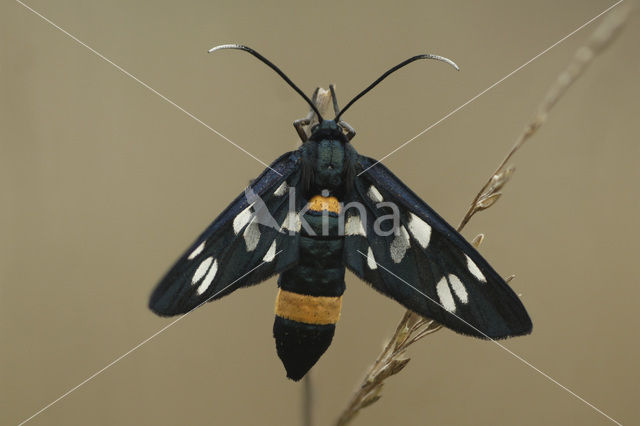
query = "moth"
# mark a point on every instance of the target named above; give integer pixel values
(324, 208)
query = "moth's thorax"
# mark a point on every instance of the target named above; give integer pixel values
(325, 157)
(329, 165)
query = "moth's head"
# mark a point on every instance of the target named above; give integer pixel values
(328, 130)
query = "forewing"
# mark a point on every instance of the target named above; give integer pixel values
(243, 245)
(426, 265)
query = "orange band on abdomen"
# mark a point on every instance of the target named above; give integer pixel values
(308, 309)
(319, 203)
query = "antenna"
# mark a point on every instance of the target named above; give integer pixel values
(273, 67)
(390, 71)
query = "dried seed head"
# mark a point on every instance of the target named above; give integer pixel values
(372, 396)
(500, 179)
(486, 202)
(477, 240)
(396, 365)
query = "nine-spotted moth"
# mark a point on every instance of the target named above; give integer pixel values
(323, 208)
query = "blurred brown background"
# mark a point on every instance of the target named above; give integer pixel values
(104, 184)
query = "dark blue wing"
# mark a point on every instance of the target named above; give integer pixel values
(426, 265)
(243, 245)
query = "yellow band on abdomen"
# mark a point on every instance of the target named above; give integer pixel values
(308, 309)
(319, 203)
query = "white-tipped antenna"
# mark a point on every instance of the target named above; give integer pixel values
(273, 67)
(225, 46)
(443, 59)
(397, 67)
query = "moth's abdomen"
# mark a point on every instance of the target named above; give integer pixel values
(303, 329)
(316, 310)
(310, 296)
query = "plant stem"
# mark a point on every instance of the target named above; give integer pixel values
(412, 327)
(307, 400)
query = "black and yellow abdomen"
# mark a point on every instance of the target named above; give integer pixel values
(310, 296)
(319, 310)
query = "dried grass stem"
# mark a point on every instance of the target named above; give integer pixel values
(412, 327)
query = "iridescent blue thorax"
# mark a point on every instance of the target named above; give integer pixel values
(328, 159)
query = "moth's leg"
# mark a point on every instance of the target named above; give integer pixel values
(335, 99)
(350, 130)
(300, 124)
(314, 97)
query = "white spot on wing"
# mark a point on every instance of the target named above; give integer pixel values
(202, 269)
(271, 253)
(252, 235)
(374, 194)
(371, 261)
(458, 288)
(354, 226)
(208, 279)
(242, 219)
(196, 251)
(420, 230)
(291, 222)
(282, 189)
(399, 245)
(445, 296)
(475, 271)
